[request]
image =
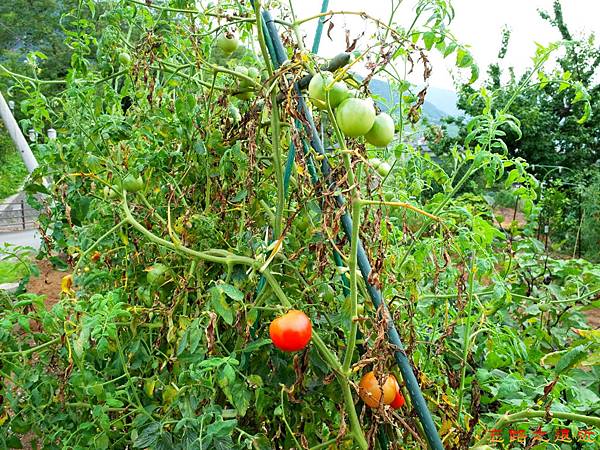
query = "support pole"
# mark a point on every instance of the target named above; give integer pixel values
(17, 136)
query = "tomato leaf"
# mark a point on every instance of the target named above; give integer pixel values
(571, 358)
(232, 292)
(149, 436)
(220, 305)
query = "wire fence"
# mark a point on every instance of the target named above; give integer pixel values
(17, 216)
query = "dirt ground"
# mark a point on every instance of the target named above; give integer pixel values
(508, 214)
(47, 283)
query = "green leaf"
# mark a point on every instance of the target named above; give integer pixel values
(429, 39)
(101, 441)
(232, 292)
(149, 436)
(474, 73)
(220, 305)
(463, 58)
(572, 358)
(449, 49)
(14, 442)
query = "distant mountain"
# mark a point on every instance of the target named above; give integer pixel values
(439, 102)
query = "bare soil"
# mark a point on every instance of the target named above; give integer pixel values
(48, 283)
(508, 214)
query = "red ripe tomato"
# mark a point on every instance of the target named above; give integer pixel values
(398, 400)
(291, 332)
(372, 393)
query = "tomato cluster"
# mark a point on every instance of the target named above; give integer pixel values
(373, 394)
(354, 116)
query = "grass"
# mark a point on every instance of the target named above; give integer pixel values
(12, 169)
(11, 272)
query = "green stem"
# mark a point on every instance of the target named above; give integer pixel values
(261, 38)
(32, 349)
(95, 244)
(327, 444)
(209, 255)
(353, 266)
(275, 135)
(466, 340)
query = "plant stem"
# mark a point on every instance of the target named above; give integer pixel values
(466, 340)
(275, 136)
(353, 266)
(32, 349)
(400, 205)
(261, 38)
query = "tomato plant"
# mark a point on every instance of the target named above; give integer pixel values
(163, 342)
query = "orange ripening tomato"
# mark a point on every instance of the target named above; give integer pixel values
(291, 332)
(373, 394)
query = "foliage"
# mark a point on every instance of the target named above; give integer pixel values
(12, 169)
(182, 359)
(556, 133)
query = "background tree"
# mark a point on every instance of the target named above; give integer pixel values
(559, 135)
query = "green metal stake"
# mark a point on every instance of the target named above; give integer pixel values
(319, 31)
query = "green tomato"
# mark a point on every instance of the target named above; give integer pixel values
(124, 59)
(375, 162)
(253, 73)
(111, 192)
(317, 94)
(355, 116)
(228, 42)
(382, 131)
(133, 184)
(383, 169)
(244, 84)
(145, 295)
(157, 274)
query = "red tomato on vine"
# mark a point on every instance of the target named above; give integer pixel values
(291, 332)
